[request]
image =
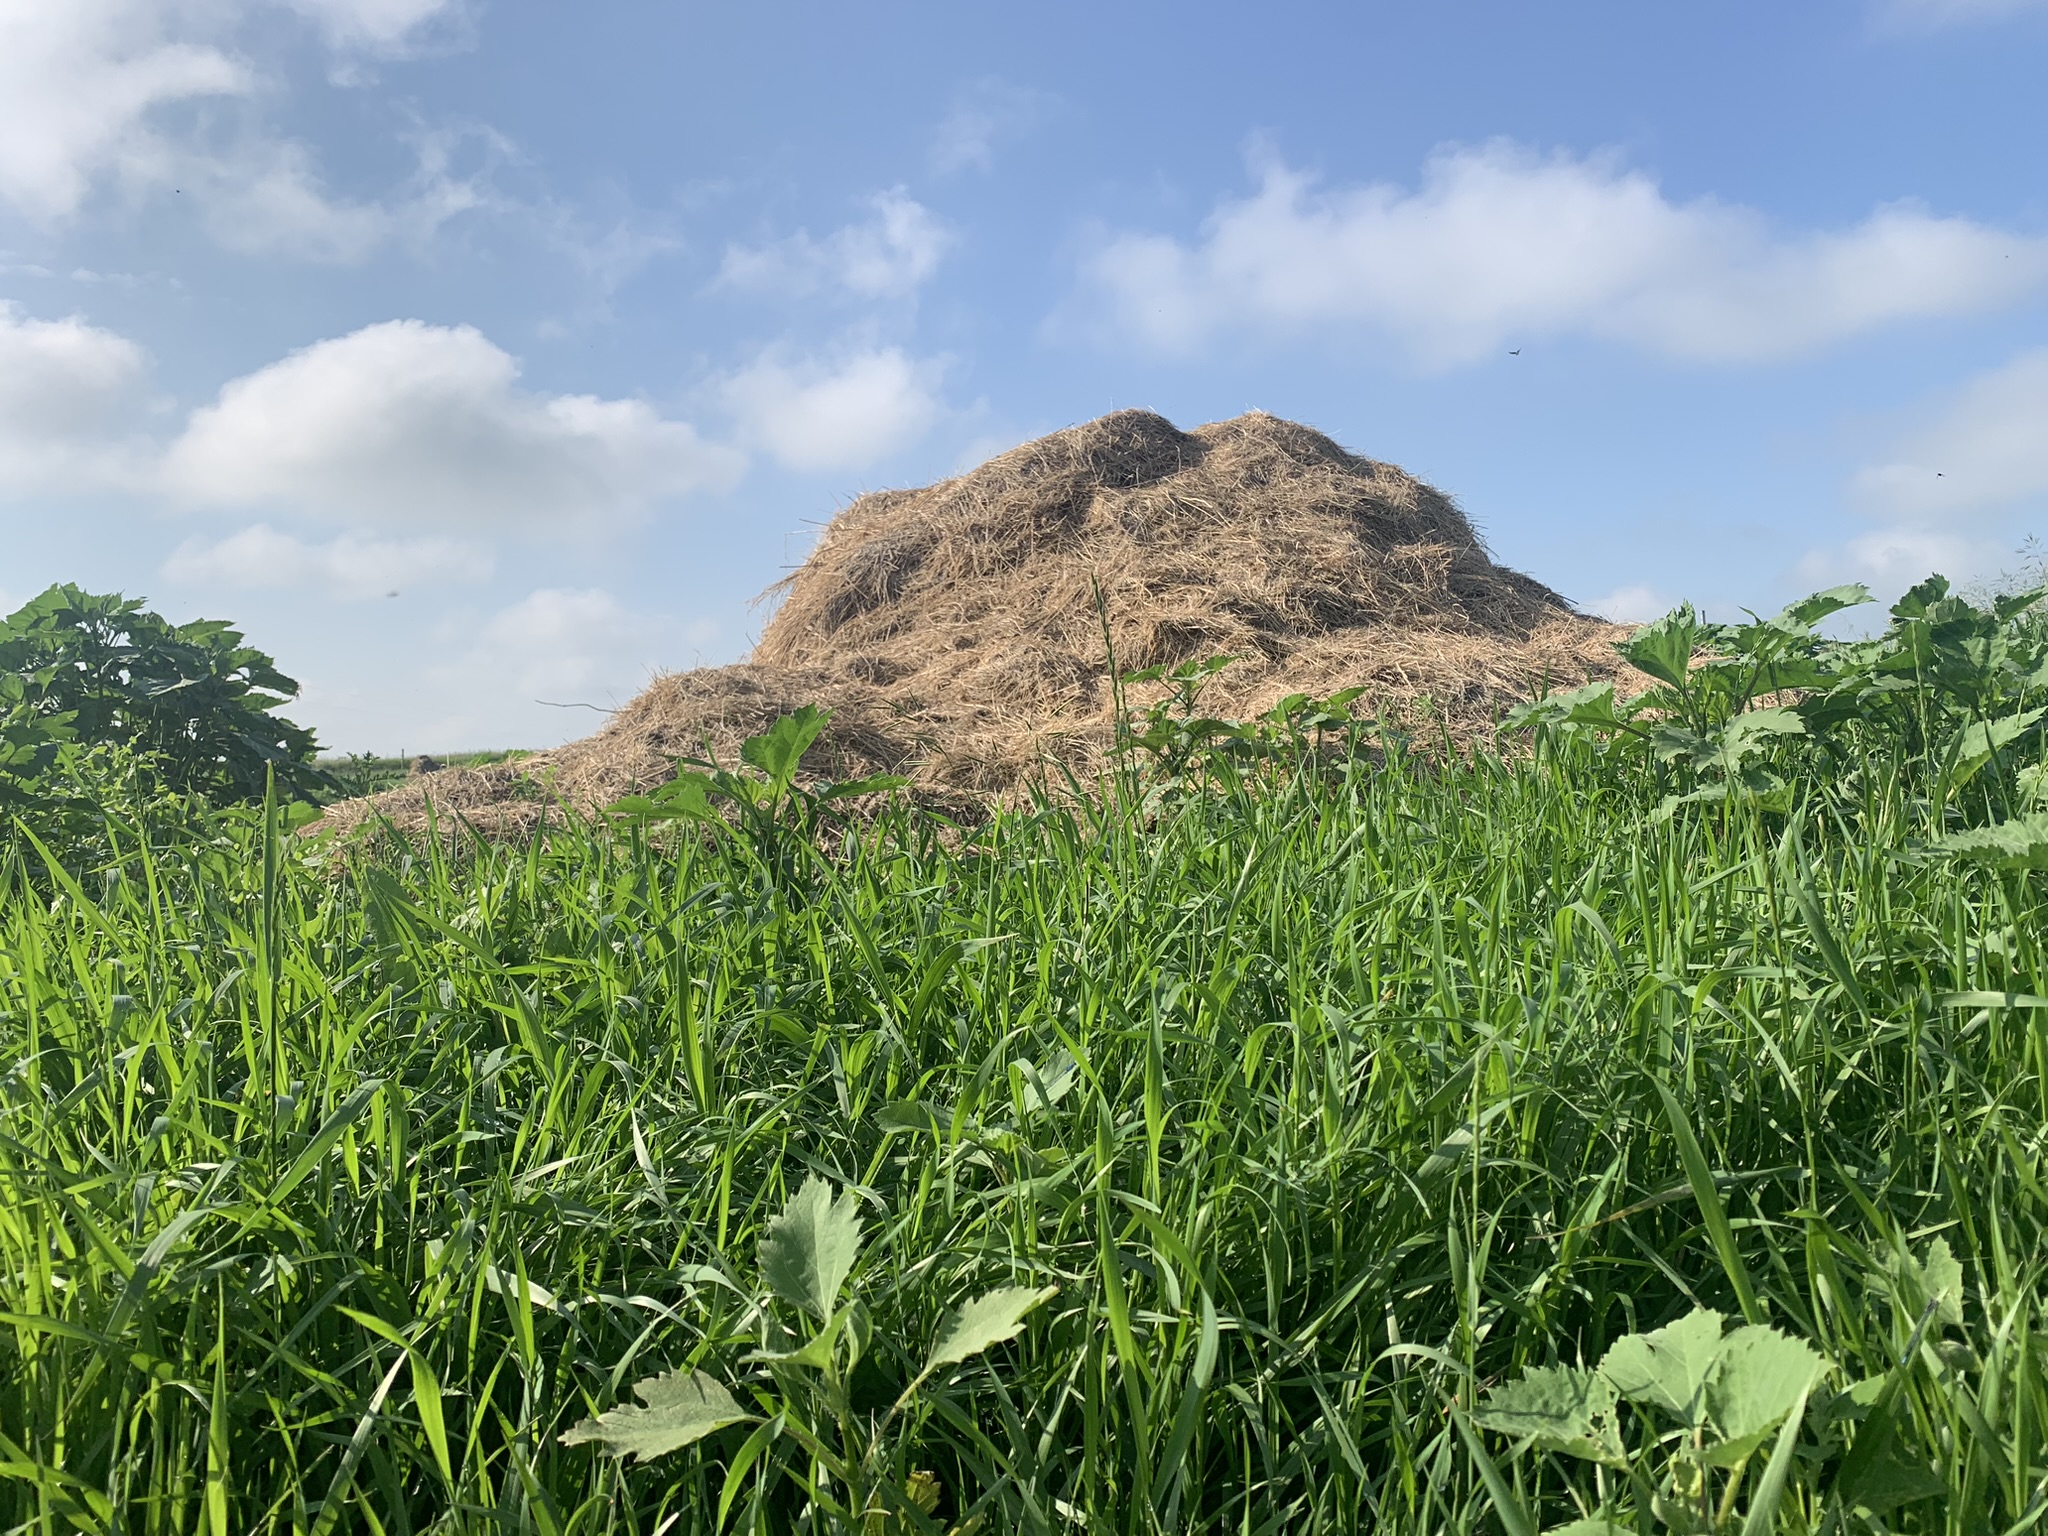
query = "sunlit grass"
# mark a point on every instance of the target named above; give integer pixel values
(337, 1190)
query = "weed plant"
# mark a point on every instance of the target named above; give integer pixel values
(1290, 1123)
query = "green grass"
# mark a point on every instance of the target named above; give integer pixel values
(337, 1190)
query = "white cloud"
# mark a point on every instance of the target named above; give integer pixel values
(1946, 497)
(79, 83)
(64, 387)
(813, 417)
(1889, 560)
(88, 92)
(384, 26)
(565, 645)
(266, 197)
(986, 113)
(1630, 605)
(887, 256)
(410, 425)
(349, 566)
(1987, 448)
(1930, 15)
(1499, 246)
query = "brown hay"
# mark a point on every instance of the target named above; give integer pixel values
(956, 631)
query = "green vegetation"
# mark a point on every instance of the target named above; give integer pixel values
(191, 701)
(1300, 1136)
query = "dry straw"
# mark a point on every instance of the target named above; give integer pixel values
(958, 631)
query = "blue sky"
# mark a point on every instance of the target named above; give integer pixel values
(477, 353)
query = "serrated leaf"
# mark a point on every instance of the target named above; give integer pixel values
(778, 750)
(1936, 1279)
(1983, 739)
(1893, 1481)
(1561, 1409)
(873, 785)
(809, 1249)
(815, 1352)
(1759, 1374)
(1668, 1367)
(1592, 705)
(984, 1322)
(2021, 843)
(681, 1407)
(1809, 611)
(1748, 731)
(1665, 649)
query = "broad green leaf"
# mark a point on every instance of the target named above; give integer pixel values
(2021, 843)
(874, 785)
(815, 1352)
(681, 1407)
(809, 1249)
(2017, 603)
(1045, 1086)
(1893, 1480)
(985, 1321)
(1809, 611)
(1561, 1409)
(1665, 649)
(778, 750)
(1758, 1376)
(1675, 743)
(1593, 1527)
(1919, 599)
(1592, 705)
(1935, 1279)
(1984, 739)
(2032, 783)
(687, 795)
(1748, 732)
(1667, 1368)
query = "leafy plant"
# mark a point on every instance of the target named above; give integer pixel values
(850, 1464)
(760, 798)
(191, 698)
(1737, 710)
(1183, 748)
(1709, 1400)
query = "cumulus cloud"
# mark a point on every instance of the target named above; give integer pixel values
(349, 566)
(1499, 245)
(65, 386)
(985, 114)
(1636, 604)
(79, 84)
(565, 645)
(1946, 496)
(847, 415)
(409, 425)
(1987, 448)
(383, 26)
(88, 97)
(886, 256)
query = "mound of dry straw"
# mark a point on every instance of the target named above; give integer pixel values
(957, 631)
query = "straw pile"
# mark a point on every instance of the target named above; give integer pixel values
(958, 631)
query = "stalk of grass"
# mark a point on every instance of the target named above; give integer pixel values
(335, 1190)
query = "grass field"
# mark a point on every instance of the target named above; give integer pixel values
(1325, 1100)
